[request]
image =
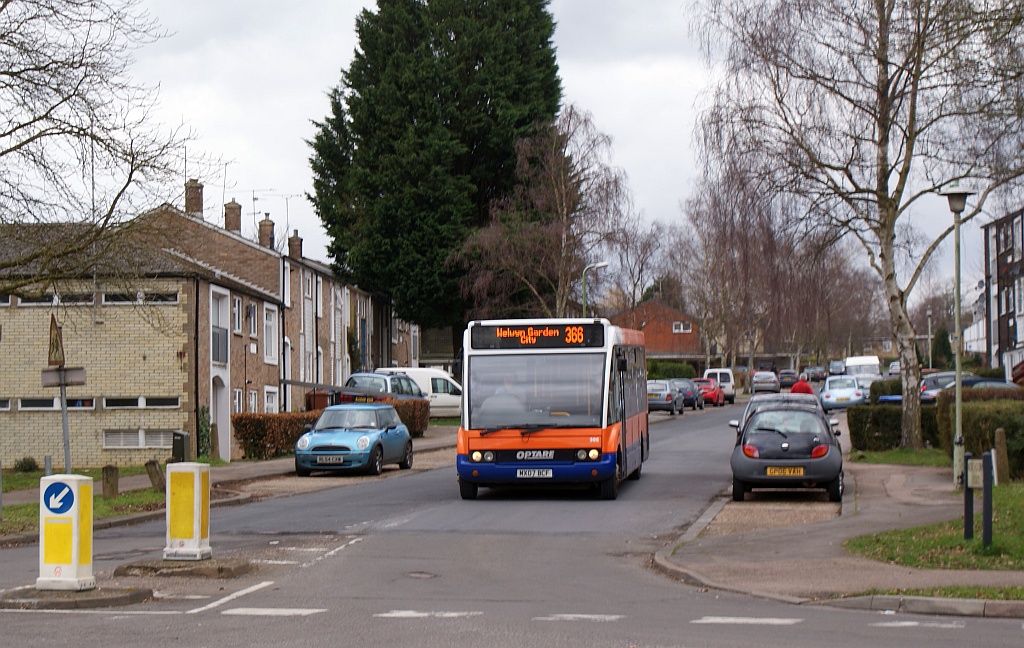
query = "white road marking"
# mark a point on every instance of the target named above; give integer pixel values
(231, 597)
(954, 625)
(747, 621)
(272, 612)
(332, 552)
(416, 614)
(580, 617)
(277, 562)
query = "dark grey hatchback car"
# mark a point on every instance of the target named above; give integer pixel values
(787, 445)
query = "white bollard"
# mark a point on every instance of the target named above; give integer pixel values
(65, 533)
(188, 511)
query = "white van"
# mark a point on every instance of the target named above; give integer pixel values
(724, 378)
(444, 393)
(866, 369)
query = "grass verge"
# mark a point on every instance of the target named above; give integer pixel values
(983, 593)
(934, 457)
(24, 518)
(14, 480)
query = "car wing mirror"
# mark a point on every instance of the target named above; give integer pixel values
(734, 424)
(307, 427)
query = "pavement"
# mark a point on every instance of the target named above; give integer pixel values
(790, 551)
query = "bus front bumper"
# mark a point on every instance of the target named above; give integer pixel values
(535, 472)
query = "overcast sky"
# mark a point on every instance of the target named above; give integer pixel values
(249, 76)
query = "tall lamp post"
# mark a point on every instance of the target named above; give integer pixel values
(957, 198)
(592, 266)
(929, 338)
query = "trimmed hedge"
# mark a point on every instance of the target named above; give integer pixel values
(877, 428)
(892, 387)
(265, 436)
(662, 369)
(984, 411)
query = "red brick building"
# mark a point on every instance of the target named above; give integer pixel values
(670, 334)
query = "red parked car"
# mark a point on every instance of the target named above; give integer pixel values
(712, 391)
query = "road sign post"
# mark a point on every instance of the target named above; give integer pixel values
(65, 533)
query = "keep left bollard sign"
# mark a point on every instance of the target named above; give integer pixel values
(65, 533)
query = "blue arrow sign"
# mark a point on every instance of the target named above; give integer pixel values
(58, 497)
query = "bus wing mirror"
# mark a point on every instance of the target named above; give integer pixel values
(621, 363)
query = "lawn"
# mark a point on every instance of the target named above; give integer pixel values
(942, 546)
(14, 480)
(24, 518)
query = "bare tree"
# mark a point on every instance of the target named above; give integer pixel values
(568, 197)
(866, 108)
(80, 158)
(637, 248)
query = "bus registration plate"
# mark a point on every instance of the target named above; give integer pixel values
(533, 473)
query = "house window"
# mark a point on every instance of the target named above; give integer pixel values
(160, 298)
(254, 401)
(237, 401)
(254, 324)
(114, 439)
(319, 296)
(48, 299)
(5, 300)
(887, 346)
(682, 327)
(38, 404)
(82, 298)
(5, 404)
(270, 400)
(308, 289)
(236, 315)
(142, 402)
(270, 334)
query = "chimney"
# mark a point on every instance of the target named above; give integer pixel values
(295, 246)
(194, 198)
(233, 216)
(266, 231)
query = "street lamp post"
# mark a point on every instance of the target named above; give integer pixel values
(592, 266)
(957, 202)
(930, 338)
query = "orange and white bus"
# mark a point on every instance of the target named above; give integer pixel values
(552, 401)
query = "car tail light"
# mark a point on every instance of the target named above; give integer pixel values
(668, 398)
(857, 394)
(751, 451)
(819, 451)
(826, 395)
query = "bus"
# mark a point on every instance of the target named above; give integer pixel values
(552, 402)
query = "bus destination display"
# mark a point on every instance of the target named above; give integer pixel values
(537, 336)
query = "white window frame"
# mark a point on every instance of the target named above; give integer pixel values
(271, 400)
(319, 296)
(161, 438)
(237, 401)
(236, 315)
(254, 322)
(5, 404)
(270, 320)
(287, 285)
(254, 401)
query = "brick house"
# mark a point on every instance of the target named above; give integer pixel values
(215, 324)
(668, 333)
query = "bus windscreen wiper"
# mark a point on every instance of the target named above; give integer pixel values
(524, 429)
(499, 428)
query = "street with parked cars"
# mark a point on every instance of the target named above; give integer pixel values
(693, 397)
(662, 396)
(712, 391)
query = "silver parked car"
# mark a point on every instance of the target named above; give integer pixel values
(662, 396)
(765, 381)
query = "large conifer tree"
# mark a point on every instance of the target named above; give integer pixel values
(421, 139)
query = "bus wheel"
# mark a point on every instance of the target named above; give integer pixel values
(467, 490)
(609, 489)
(635, 475)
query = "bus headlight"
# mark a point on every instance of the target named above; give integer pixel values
(363, 443)
(488, 456)
(477, 456)
(595, 454)
(581, 455)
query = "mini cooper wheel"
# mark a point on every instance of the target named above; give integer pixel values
(376, 464)
(406, 462)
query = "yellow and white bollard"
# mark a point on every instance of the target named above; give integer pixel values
(65, 533)
(188, 511)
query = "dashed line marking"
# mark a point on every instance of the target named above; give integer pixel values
(954, 625)
(603, 618)
(747, 621)
(272, 612)
(417, 614)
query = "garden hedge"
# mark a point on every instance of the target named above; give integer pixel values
(265, 436)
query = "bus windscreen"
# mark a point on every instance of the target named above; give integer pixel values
(553, 390)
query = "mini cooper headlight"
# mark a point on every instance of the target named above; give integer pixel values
(363, 443)
(303, 442)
